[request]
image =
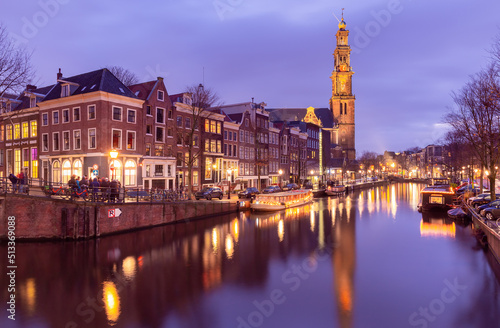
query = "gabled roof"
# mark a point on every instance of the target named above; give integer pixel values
(298, 114)
(100, 80)
(237, 118)
(143, 90)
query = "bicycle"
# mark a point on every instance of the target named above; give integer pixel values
(49, 191)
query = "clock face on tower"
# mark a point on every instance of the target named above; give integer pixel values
(343, 68)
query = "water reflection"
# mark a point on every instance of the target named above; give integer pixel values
(437, 224)
(353, 261)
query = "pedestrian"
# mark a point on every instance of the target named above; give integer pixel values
(20, 181)
(114, 190)
(95, 188)
(105, 189)
(78, 184)
(13, 180)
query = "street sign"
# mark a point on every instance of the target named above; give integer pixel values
(95, 167)
(114, 213)
(95, 172)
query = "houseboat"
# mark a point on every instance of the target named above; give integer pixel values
(281, 200)
(438, 195)
(335, 190)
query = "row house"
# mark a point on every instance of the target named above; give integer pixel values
(253, 142)
(274, 155)
(82, 119)
(19, 120)
(231, 156)
(158, 163)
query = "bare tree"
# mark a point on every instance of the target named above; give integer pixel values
(203, 105)
(15, 65)
(477, 116)
(368, 161)
(124, 75)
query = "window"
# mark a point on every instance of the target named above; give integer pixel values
(242, 136)
(92, 139)
(179, 121)
(170, 114)
(149, 129)
(2, 132)
(246, 122)
(1, 157)
(179, 139)
(148, 149)
(148, 170)
(131, 140)
(45, 142)
(219, 128)
(170, 132)
(34, 131)
(213, 146)
(225, 149)
(66, 140)
(207, 125)
(17, 131)
(116, 139)
(159, 115)
(131, 116)
(195, 178)
(213, 127)
(195, 141)
(65, 115)
(26, 157)
(56, 171)
(66, 171)
(77, 168)
(65, 90)
(187, 123)
(130, 173)
(91, 112)
(179, 159)
(158, 170)
(26, 131)
(148, 110)
(208, 168)
(219, 146)
(55, 141)
(234, 151)
(160, 132)
(160, 95)
(32, 102)
(225, 135)
(55, 117)
(159, 150)
(9, 132)
(76, 114)
(77, 144)
(117, 114)
(45, 119)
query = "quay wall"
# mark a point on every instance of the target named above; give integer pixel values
(490, 230)
(44, 218)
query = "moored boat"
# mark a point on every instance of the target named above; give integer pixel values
(335, 190)
(281, 200)
(439, 195)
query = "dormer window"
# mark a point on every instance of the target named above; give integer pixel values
(65, 90)
(160, 95)
(32, 102)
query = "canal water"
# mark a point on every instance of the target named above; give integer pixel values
(368, 259)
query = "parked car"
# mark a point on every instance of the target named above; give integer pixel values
(209, 193)
(491, 212)
(490, 204)
(463, 190)
(248, 192)
(291, 186)
(481, 199)
(271, 189)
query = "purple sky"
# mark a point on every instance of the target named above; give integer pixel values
(407, 55)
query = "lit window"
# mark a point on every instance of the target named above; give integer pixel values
(130, 173)
(26, 131)
(34, 130)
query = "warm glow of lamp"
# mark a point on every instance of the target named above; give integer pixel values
(280, 171)
(113, 154)
(312, 172)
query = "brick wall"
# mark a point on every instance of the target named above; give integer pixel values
(44, 218)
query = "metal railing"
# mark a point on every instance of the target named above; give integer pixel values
(58, 190)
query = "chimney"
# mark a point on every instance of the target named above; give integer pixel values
(30, 87)
(159, 78)
(59, 75)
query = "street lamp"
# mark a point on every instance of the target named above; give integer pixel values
(113, 154)
(214, 166)
(229, 183)
(280, 173)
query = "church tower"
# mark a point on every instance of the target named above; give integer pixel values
(342, 101)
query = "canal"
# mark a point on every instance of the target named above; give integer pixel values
(368, 259)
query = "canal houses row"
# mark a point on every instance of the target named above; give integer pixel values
(71, 127)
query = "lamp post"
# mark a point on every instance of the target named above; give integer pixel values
(229, 183)
(280, 173)
(113, 154)
(214, 166)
